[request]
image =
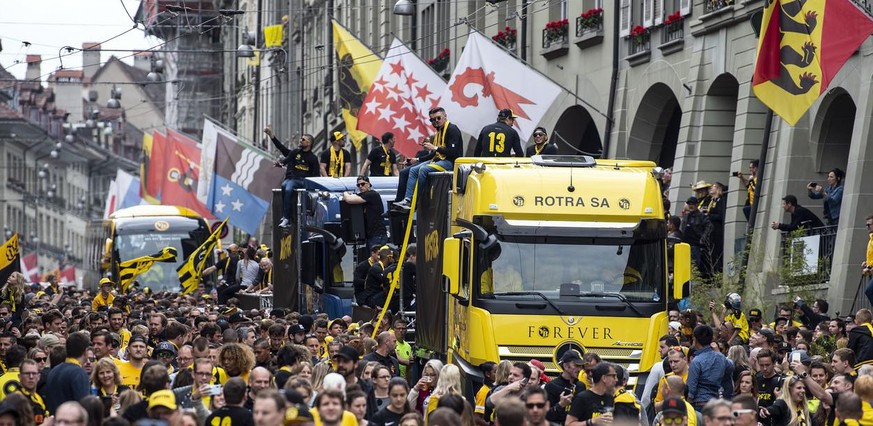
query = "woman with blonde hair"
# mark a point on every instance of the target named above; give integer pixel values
(419, 393)
(302, 369)
(449, 383)
(106, 380)
(791, 409)
(318, 373)
(13, 293)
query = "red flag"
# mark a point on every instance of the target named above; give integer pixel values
(803, 44)
(67, 276)
(31, 267)
(400, 98)
(181, 173)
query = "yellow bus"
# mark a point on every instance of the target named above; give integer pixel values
(143, 230)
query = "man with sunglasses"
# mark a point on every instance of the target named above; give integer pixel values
(496, 139)
(541, 146)
(373, 210)
(299, 164)
(594, 406)
(447, 145)
(674, 413)
(744, 409)
(537, 406)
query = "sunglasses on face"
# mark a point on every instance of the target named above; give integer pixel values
(361, 184)
(539, 134)
(671, 420)
(435, 119)
(539, 405)
(738, 413)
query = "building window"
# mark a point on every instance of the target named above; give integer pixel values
(428, 45)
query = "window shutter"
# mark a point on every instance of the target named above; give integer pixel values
(685, 7)
(625, 18)
(659, 12)
(647, 13)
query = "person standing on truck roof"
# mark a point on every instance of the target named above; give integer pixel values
(448, 144)
(496, 139)
(383, 159)
(373, 210)
(299, 164)
(336, 161)
(541, 145)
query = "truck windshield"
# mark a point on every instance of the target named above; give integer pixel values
(561, 267)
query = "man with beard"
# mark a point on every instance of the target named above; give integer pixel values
(336, 161)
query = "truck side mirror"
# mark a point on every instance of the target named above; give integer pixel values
(451, 264)
(681, 268)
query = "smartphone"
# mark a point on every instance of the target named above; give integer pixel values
(813, 184)
(735, 174)
(215, 390)
(795, 357)
(524, 382)
(107, 405)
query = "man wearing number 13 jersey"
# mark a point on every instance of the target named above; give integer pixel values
(497, 139)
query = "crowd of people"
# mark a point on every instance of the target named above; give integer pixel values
(188, 360)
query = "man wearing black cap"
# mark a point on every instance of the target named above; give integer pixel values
(562, 389)
(373, 209)
(297, 334)
(496, 139)
(541, 145)
(693, 227)
(137, 351)
(674, 412)
(346, 360)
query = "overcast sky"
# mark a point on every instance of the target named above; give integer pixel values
(49, 25)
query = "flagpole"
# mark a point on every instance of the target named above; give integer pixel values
(609, 119)
(753, 215)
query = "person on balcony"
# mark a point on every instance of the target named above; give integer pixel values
(801, 217)
(832, 195)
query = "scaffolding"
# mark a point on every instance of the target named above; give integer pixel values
(192, 56)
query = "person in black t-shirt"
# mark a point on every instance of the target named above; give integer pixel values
(373, 210)
(376, 284)
(381, 161)
(234, 397)
(397, 406)
(408, 277)
(767, 381)
(299, 164)
(596, 403)
(541, 145)
(336, 161)
(497, 139)
(359, 277)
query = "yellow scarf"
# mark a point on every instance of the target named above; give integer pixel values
(336, 163)
(538, 150)
(439, 141)
(387, 163)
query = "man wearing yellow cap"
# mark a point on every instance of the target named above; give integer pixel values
(104, 298)
(336, 161)
(162, 406)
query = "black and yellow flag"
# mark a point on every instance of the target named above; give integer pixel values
(190, 270)
(129, 269)
(358, 67)
(10, 259)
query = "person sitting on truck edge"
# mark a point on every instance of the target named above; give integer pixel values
(562, 389)
(541, 145)
(299, 164)
(336, 161)
(496, 139)
(448, 145)
(373, 209)
(384, 159)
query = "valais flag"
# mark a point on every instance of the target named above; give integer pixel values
(399, 100)
(488, 79)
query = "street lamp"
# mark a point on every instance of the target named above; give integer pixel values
(408, 8)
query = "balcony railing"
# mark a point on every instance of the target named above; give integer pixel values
(808, 254)
(639, 44)
(549, 41)
(582, 29)
(673, 31)
(713, 5)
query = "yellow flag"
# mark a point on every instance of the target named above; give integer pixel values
(273, 35)
(357, 67)
(129, 269)
(192, 268)
(10, 258)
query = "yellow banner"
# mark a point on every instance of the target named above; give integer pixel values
(357, 67)
(273, 35)
(192, 268)
(129, 269)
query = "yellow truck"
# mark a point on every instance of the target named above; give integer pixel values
(522, 258)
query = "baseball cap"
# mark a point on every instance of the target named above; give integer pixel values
(769, 334)
(298, 413)
(571, 355)
(278, 312)
(165, 347)
(48, 340)
(348, 352)
(676, 325)
(755, 313)
(506, 113)
(338, 136)
(540, 129)
(337, 321)
(163, 398)
(236, 317)
(296, 328)
(137, 338)
(692, 200)
(674, 405)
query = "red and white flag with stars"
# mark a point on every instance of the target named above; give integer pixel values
(488, 79)
(400, 98)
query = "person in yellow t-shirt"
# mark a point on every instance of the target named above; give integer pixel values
(137, 352)
(731, 312)
(104, 298)
(329, 410)
(678, 359)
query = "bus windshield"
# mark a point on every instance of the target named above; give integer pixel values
(557, 266)
(162, 275)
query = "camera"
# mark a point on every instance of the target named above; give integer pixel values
(735, 174)
(812, 184)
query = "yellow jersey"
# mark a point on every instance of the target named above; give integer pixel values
(100, 301)
(662, 384)
(129, 374)
(740, 323)
(349, 419)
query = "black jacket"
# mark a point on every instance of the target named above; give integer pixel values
(298, 163)
(861, 342)
(454, 144)
(801, 217)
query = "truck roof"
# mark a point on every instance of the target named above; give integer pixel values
(153, 210)
(601, 191)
